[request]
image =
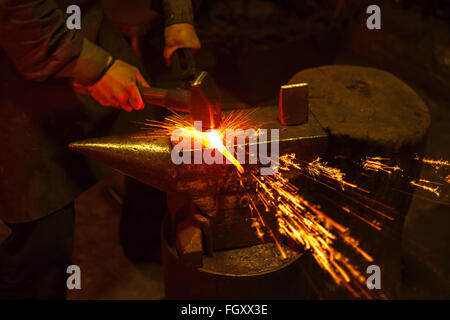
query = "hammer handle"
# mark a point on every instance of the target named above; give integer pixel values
(173, 99)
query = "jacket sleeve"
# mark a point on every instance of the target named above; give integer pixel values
(176, 11)
(34, 35)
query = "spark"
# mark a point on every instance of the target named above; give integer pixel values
(297, 219)
(427, 185)
(374, 224)
(376, 164)
(316, 169)
(436, 164)
(306, 223)
(257, 225)
(213, 138)
(310, 227)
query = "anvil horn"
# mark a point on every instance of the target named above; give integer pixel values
(147, 158)
(142, 157)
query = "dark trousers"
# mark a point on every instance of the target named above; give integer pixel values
(140, 224)
(35, 256)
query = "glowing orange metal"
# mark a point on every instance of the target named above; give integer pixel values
(239, 119)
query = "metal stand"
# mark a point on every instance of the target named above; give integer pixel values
(228, 274)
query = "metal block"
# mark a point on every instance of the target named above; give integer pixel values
(293, 104)
(189, 242)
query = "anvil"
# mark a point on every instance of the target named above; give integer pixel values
(219, 214)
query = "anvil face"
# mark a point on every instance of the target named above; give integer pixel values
(307, 140)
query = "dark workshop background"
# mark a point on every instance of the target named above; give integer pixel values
(252, 47)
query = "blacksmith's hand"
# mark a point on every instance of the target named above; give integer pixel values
(179, 35)
(119, 87)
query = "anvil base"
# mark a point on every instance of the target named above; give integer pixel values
(235, 273)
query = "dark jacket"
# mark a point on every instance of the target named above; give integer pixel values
(39, 111)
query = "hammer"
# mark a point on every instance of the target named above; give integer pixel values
(201, 99)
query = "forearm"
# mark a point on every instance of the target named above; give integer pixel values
(35, 37)
(89, 66)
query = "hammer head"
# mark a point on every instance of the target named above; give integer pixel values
(204, 101)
